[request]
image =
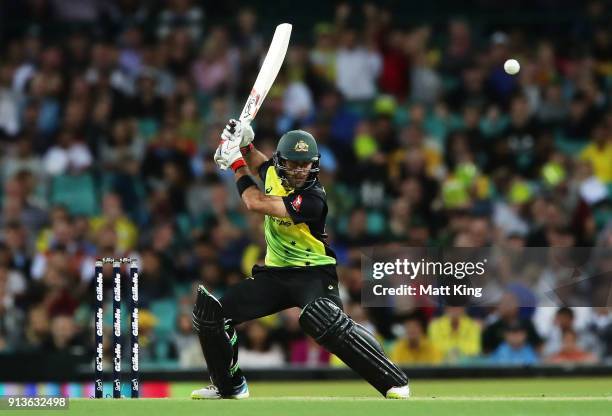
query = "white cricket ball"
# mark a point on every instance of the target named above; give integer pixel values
(511, 66)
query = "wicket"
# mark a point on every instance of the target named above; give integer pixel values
(99, 326)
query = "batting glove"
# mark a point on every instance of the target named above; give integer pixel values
(228, 153)
(242, 130)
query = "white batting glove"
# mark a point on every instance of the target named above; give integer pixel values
(243, 131)
(220, 159)
(228, 153)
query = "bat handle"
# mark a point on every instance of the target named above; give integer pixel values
(232, 125)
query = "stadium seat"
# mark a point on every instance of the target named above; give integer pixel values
(77, 192)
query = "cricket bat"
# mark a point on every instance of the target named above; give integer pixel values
(268, 72)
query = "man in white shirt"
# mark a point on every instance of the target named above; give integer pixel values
(357, 68)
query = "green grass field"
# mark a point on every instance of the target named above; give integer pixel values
(540, 396)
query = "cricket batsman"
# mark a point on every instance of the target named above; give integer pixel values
(299, 270)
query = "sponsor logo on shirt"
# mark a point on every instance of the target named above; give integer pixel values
(279, 221)
(297, 203)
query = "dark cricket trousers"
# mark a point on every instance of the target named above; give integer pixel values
(273, 289)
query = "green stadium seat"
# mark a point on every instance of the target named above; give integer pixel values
(376, 223)
(76, 192)
(165, 311)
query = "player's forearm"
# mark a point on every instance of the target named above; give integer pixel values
(256, 201)
(253, 157)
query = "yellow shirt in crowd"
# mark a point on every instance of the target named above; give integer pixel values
(601, 160)
(425, 353)
(127, 233)
(464, 341)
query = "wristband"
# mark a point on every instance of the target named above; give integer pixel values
(243, 183)
(237, 164)
(246, 149)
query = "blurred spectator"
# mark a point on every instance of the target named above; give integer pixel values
(600, 327)
(599, 153)
(64, 335)
(21, 204)
(86, 11)
(68, 156)
(514, 350)
(258, 349)
(357, 66)
(149, 343)
(455, 334)
(458, 51)
(414, 347)
(323, 53)
(9, 103)
(564, 321)
(18, 247)
(37, 327)
(569, 350)
(185, 343)
(425, 82)
(301, 350)
(21, 161)
(515, 148)
(12, 284)
(113, 216)
(156, 284)
(507, 315)
(181, 14)
(213, 71)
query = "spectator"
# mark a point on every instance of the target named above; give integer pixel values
(599, 153)
(18, 246)
(37, 329)
(358, 68)
(9, 103)
(564, 321)
(415, 347)
(113, 216)
(301, 350)
(181, 14)
(323, 54)
(185, 344)
(152, 348)
(12, 284)
(570, 352)
(514, 350)
(68, 156)
(507, 315)
(214, 70)
(64, 335)
(155, 283)
(259, 350)
(455, 334)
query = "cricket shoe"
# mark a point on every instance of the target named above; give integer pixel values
(212, 393)
(402, 392)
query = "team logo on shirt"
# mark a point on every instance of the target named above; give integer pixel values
(297, 203)
(301, 146)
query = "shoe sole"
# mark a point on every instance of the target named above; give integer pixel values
(396, 396)
(240, 396)
(194, 397)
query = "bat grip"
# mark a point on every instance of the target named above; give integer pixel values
(232, 128)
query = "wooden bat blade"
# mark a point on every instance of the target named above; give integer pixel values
(268, 72)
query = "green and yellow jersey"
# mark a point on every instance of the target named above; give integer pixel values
(297, 240)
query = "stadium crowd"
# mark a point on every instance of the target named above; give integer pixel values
(110, 113)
